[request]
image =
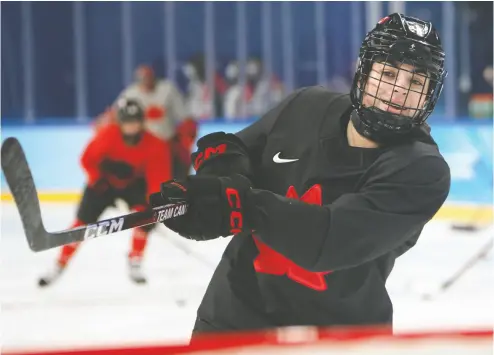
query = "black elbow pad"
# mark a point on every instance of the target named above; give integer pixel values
(222, 154)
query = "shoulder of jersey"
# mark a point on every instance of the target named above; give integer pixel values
(402, 156)
(109, 129)
(164, 84)
(131, 89)
(420, 149)
(313, 103)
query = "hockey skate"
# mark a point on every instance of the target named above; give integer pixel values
(135, 272)
(50, 277)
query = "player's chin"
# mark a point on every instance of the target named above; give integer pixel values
(396, 111)
(381, 106)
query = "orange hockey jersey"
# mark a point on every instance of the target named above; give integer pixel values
(149, 159)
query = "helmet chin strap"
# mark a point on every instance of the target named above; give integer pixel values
(380, 135)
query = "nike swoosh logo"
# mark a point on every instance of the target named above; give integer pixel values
(277, 159)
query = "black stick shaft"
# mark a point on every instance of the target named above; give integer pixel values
(132, 220)
(45, 241)
(21, 184)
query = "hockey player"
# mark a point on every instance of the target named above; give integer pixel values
(165, 116)
(322, 193)
(121, 161)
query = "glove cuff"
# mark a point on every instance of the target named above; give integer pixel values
(202, 184)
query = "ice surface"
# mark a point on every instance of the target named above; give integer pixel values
(95, 304)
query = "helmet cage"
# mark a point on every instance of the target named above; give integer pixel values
(129, 110)
(395, 50)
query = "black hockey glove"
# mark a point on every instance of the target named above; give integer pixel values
(120, 169)
(221, 154)
(216, 205)
(99, 187)
(173, 191)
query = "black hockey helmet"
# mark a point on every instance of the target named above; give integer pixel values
(129, 110)
(406, 47)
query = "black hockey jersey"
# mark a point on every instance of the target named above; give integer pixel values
(330, 220)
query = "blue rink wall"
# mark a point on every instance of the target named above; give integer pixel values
(53, 153)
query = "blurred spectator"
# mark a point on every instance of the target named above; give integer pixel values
(166, 116)
(232, 98)
(258, 95)
(488, 74)
(199, 100)
(481, 44)
(480, 103)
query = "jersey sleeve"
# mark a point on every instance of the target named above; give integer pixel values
(158, 166)
(94, 153)
(254, 136)
(357, 227)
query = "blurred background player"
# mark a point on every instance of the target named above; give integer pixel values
(122, 161)
(165, 115)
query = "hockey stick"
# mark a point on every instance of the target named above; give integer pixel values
(181, 245)
(446, 284)
(21, 184)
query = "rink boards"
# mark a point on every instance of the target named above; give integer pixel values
(53, 153)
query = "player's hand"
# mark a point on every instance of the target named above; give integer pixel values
(100, 187)
(216, 205)
(173, 191)
(120, 169)
(221, 154)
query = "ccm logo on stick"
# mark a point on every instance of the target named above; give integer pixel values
(103, 228)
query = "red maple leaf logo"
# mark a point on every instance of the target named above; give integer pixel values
(154, 112)
(271, 262)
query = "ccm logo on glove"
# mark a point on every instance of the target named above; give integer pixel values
(236, 218)
(208, 152)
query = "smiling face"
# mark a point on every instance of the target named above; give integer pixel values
(396, 88)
